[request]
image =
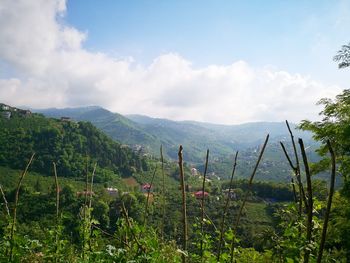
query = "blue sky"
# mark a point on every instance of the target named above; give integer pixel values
(279, 33)
(217, 61)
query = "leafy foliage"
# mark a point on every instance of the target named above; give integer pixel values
(343, 56)
(68, 143)
(335, 126)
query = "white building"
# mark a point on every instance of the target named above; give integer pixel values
(194, 171)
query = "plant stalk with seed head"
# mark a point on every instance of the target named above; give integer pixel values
(184, 213)
(13, 226)
(222, 226)
(246, 195)
(202, 203)
(329, 202)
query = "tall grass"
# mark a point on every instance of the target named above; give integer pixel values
(296, 168)
(202, 203)
(163, 194)
(246, 196)
(329, 202)
(13, 225)
(309, 225)
(57, 212)
(184, 212)
(5, 201)
(148, 194)
(224, 212)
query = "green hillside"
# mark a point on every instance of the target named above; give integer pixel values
(146, 134)
(73, 145)
(196, 137)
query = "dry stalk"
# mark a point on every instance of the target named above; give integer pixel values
(111, 235)
(57, 191)
(224, 213)
(329, 203)
(184, 213)
(127, 219)
(86, 184)
(296, 169)
(13, 226)
(202, 203)
(85, 204)
(90, 204)
(147, 199)
(91, 184)
(246, 195)
(163, 194)
(294, 191)
(5, 201)
(57, 209)
(309, 200)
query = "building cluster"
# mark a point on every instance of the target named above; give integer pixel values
(7, 111)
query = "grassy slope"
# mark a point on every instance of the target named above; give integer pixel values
(9, 179)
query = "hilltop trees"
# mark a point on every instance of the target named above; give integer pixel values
(343, 56)
(68, 143)
(335, 127)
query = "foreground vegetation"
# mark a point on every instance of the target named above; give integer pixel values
(60, 209)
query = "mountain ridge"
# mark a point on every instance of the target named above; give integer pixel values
(196, 137)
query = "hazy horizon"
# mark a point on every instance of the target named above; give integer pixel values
(144, 115)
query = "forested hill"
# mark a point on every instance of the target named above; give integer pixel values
(196, 137)
(66, 142)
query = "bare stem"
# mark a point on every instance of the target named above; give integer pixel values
(296, 171)
(309, 200)
(85, 204)
(302, 196)
(126, 216)
(163, 194)
(57, 190)
(57, 210)
(148, 194)
(202, 203)
(246, 195)
(86, 182)
(222, 226)
(329, 203)
(184, 213)
(294, 191)
(5, 201)
(13, 226)
(91, 184)
(90, 204)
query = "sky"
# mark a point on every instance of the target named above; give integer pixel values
(218, 61)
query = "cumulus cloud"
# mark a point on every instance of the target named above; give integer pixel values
(52, 68)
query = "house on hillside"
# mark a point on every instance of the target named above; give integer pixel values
(4, 107)
(112, 191)
(24, 113)
(194, 171)
(84, 193)
(201, 194)
(6, 114)
(146, 188)
(233, 194)
(66, 119)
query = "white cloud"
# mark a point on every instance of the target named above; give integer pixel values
(53, 69)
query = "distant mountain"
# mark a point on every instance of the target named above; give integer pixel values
(223, 140)
(196, 137)
(115, 125)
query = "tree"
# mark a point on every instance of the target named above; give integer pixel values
(335, 126)
(343, 56)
